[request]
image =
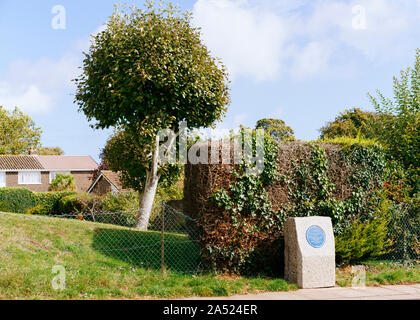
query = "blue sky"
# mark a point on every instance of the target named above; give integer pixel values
(302, 61)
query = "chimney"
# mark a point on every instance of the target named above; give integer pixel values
(33, 152)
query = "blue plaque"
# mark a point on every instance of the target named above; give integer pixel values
(315, 236)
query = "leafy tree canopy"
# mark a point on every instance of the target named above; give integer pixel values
(149, 69)
(353, 123)
(63, 182)
(18, 132)
(50, 151)
(125, 153)
(277, 129)
(399, 131)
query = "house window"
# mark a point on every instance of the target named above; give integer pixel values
(30, 177)
(2, 179)
(54, 174)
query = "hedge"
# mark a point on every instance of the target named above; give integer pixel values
(17, 199)
(241, 216)
(20, 200)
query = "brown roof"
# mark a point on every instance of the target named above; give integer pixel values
(67, 162)
(113, 177)
(19, 163)
(35, 162)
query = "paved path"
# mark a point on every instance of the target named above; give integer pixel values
(397, 292)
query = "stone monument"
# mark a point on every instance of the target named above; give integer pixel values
(309, 252)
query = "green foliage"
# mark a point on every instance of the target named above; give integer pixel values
(79, 203)
(352, 123)
(20, 200)
(50, 151)
(39, 210)
(277, 129)
(149, 71)
(119, 209)
(310, 192)
(120, 202)
(50, 201)
(128, 154)
(249, 207)
(18, 132)
(399, 132)
(365, 239)
(17, 199)
(349, 141)
(63, 182)
(149, 68)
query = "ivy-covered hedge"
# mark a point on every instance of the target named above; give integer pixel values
(241, 216)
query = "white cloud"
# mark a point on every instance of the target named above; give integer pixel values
(249, 40)
(311, 60)
(29, 99)
(36, 86)
(267, 38)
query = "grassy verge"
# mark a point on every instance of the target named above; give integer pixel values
(382, 273)
(104, 262)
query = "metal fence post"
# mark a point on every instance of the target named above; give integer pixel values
(162, 243)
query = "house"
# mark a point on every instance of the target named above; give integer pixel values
(36, 172)
(107, 181)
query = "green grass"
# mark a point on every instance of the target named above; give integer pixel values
(382, 273)
(105, 262)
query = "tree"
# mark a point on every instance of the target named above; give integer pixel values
(125, 153)
(50, 151)
(352, 123)
(277, 129)
(18, 132)
(147, 71)
(63, 182)
(399, 131)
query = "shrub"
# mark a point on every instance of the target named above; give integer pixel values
(121, 202)
(63, 182)
(80, 203)
(4, 207)
(39, 210)
(50, 200)
(365, 239)
(17, 199)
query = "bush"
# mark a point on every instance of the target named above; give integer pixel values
(365, 239)
(17, 200)
(4, 207)
(50, 200)
(39, 210)
(80, 203)
(121, 202)
(63, 182)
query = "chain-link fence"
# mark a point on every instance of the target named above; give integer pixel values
(170, 243)
(404, 232)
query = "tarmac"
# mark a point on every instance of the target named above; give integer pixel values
(394, 292)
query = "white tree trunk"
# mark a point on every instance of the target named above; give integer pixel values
(147, 197)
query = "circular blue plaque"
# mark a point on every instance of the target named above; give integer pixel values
(315, 236)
